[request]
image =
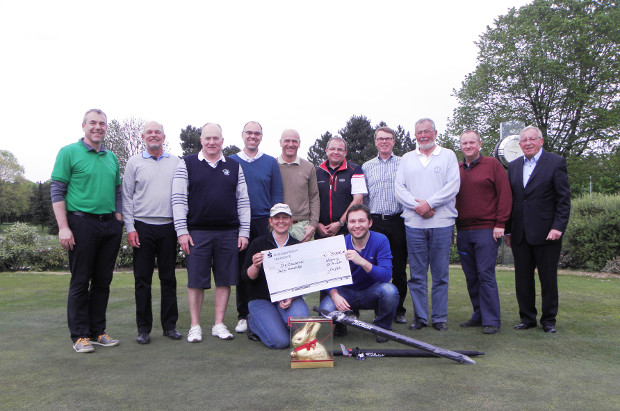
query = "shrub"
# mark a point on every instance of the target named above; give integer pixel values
(18, 247)
(593, 234)
(612, 266)
(52, 257)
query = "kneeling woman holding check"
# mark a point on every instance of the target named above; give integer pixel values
(269, 321)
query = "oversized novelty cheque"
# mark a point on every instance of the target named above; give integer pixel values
(307, 267)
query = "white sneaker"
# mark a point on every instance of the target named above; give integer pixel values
(220, 330)
(242, 326)
(195, 334)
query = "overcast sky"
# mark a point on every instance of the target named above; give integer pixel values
(287, 64)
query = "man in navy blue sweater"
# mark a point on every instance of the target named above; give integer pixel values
(370, 261)
(264, 182)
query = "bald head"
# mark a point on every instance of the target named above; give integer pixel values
(290, 144)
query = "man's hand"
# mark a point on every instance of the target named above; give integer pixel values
(322, 231)
(498, 233)
(430, 214)
(333, 228)
(554, 234)
(339, 301)
(133, 239)
(310, 229)
(257, 259)
(353, 256)
(422, 207)
(286, 303)
(242, 243)
(186, 240)
(508, 241)
(65, 235)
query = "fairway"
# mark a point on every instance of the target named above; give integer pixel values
(577, 368)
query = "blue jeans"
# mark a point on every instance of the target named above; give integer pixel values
(270, 322)
(382, 296)
(429, 247)
(478, 253)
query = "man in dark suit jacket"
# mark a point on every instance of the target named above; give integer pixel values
(540, 211)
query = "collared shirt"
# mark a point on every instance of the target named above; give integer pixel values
(380, 175)
(145, 154)
(529, 166)
(91, 148)
(288, 237)
(424, 159)
(473, 163)
(245, 157)
(296, 161)
(180, 190)
(213, 164)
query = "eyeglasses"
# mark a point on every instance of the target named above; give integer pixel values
(256, 133)
(419, 133)
(525, 139)
(383, 139)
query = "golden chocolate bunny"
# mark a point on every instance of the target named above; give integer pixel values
(305, 345)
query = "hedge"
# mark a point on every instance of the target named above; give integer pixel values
(592, 238)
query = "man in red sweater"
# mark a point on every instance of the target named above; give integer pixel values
(484, 203)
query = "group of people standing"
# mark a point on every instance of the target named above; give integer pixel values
(224, 211)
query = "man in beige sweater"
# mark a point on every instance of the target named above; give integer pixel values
(301, 192)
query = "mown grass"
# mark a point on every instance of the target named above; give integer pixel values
(577, 368)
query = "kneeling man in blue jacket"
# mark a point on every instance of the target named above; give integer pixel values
(370, 260)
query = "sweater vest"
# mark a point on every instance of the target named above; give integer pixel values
(212, 194)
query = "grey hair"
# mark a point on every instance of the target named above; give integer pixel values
(152, 122)
(471, 131)
(94, 110)
(293, 130)
(337, 138)
(215, 124)
(540, 135)
(422, 120)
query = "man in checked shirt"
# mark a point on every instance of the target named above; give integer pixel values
(380, 173)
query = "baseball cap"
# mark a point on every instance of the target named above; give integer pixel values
(280, 208)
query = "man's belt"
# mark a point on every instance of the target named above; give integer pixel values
(385, 216)
(100, 217)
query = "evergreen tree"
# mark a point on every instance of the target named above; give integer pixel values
(316, 153)
(190, 140)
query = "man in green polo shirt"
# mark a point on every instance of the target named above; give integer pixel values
(86, 199)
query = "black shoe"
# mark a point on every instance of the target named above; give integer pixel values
(340, 330)
(549, 329)
(471, 323)
(400, 319)
(381, 339)
(172, 333)
(440, 326)
(417, 324)
(143, 338)
(524, 326)
(490, 329)
(252, 336)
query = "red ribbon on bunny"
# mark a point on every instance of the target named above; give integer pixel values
(307, 346)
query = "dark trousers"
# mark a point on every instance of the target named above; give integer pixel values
(258, 227)
(394, 229)
(478, 253)
(91, 263)
(156, 242)
(545, 258)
